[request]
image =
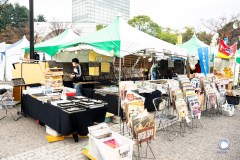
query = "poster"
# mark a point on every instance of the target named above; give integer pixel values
(92, 56)
(105, 67)
(94, 71)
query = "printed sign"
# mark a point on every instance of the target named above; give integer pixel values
(146, 134)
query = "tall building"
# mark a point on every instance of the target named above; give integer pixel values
(99, 11)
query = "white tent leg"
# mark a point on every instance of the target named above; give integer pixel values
(119, 80)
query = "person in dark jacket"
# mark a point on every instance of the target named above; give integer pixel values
(77, 76)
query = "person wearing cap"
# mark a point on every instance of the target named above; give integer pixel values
(77, 76)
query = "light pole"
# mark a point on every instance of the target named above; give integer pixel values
(235, 26)
(31, 27)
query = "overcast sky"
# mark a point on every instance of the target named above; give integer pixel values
(167, 13)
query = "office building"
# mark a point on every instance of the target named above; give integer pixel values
(99, 11)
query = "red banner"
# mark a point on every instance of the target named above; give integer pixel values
(225, 51)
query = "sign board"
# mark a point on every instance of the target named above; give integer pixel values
(92, 56)
(105, 67)
(145, 134)
(94, 71)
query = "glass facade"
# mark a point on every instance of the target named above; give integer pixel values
(99, 11)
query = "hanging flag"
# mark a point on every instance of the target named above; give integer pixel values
(212, 58)
(204, 59)
(238, 57)
(225, 51)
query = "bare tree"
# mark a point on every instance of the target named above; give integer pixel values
(214, 25)
(224, 27)
(57, 28)
(38, 35)
(76, 30)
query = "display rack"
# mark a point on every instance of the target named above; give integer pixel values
(53, 77)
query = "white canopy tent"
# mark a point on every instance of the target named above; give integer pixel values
(14, 53)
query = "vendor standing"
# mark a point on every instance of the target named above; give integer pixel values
(197, 67)
(77, 76)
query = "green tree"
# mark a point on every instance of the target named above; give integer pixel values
(168, 35)
(145, 24)
(14, 15)
(40, 18)
(100, 26)
(13, 22)
(187, 34)
(205, 37)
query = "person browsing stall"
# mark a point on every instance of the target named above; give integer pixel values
(77, 76)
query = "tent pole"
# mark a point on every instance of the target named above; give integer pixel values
(213, 59)
(119, 80)
(5, 65)
(188, 67)
(210, 53)
(233, 86)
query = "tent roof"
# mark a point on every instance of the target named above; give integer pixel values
(24, 39)
(88, 47)
(192, 45)
(53, 45)
(123, 39)
(18, 45)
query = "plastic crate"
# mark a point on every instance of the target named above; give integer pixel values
(233, 99)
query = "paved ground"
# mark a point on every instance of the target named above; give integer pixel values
(25, 139)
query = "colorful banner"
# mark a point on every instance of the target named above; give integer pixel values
(204, 59)
(225, 51)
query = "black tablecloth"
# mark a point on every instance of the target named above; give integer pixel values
(59, 120)
(149, 100)
(112, 100)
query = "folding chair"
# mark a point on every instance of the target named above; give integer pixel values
(165, 120)
(7, 102)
